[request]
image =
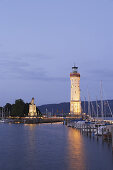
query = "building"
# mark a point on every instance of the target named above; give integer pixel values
(75, 102)
(32, 109)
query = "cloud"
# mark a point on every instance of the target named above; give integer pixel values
(39, 74)
(37, 67)
(100, 74)
(26, 67)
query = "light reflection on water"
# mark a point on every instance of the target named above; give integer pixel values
(51, 147)
(31, 147)
(76, 150)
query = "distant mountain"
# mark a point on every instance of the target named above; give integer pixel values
(93, 108)
(55, 108)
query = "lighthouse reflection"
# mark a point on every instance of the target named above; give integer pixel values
(76, 150)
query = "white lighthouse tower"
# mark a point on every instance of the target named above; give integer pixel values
(75, 103)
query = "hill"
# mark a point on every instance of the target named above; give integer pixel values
(94, 107)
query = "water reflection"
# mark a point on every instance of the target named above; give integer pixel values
(51, 147)
(76, 150)
(31, 136)
(31, 144)
(30, 126)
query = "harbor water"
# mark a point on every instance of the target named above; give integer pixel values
(51, 147)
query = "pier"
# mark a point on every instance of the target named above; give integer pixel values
(97, 128)
(36, 120)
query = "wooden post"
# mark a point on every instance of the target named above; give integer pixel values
(93, 131)
(83, 129)
(102, 132)
(97, 130)
(64, 122)
(90, 129)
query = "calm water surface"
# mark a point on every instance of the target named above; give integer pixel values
(51, 147)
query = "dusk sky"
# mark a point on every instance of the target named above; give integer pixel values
(40, 40)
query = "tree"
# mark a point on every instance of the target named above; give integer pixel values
(7, 109)
(18, 108)
(26, 109)
(38, 112)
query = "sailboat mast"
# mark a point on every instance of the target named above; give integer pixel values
(89, 111)
(101, 95)
(84, 105)
(97, 107)
(93, 110)
(110, 108)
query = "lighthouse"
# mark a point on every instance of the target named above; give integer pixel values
(75, 103)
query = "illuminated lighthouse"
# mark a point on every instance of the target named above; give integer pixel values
(75, 103)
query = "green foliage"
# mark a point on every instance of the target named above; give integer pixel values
(38, 112)
(18, 108)
(26, 109)
(7, 109)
